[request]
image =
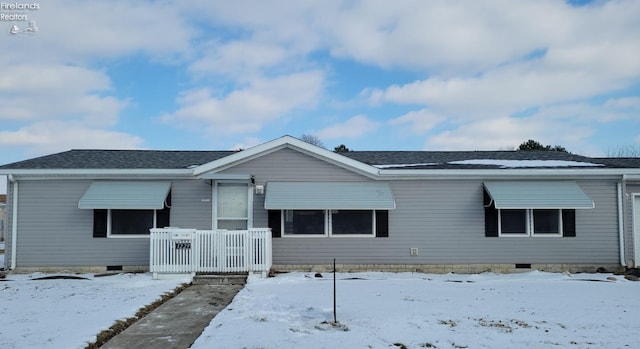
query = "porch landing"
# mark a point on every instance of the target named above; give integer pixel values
(177, 323)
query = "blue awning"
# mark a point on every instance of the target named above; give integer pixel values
(538, 195)
(329, 195)
(141, 195)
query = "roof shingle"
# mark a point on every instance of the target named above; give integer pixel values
(183, 159)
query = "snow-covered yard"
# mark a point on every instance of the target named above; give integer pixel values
(386, 310)
(375, 310)
(70, 313)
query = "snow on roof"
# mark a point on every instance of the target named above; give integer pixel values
(406, 165)
(501, 163)
(525, 163)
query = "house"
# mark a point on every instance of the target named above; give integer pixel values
(370, 210)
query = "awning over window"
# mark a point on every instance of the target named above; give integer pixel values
(538, 195)
(143, 195)
(329, 195)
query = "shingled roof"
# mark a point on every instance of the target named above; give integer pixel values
(120, 159)
(457, 159)
(183, 159)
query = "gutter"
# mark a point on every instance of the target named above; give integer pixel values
(14, 223)
(621, 223)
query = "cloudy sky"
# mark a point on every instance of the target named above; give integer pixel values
(373, 75)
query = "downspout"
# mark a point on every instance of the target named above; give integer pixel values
(14, 223)
(621, 224)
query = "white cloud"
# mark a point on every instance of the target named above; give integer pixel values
(54, 136)
(53, 78)
(473, 64)
(61, 92)
(248, 109)
(506, 90)
(75, 31)
(419, 121)
(578, 53)
(354, 127)
(508, 133)
(51, 107)
(240, 60)
(613, 109)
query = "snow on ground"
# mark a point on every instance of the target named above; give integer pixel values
(375, 310)
(387, 310)
(70, 313)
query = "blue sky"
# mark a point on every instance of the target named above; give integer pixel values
(373, 75)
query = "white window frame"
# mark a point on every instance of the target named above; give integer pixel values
(129, 236)
(529, 225)
(328, 226)
(214, 205)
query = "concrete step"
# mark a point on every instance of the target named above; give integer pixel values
(220, 279)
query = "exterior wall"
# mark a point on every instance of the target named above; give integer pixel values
(445, 221)
(53, 231)
(288, 165)
(631, 188)
(191, 204)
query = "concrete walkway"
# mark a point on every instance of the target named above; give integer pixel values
(178, 322)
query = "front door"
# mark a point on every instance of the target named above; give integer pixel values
(233, 206)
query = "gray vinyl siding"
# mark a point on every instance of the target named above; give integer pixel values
(445, 221)
(191, 204)
(290, 165)
(631, 188)
(53, 231)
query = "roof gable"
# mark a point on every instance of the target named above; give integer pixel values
(290, 143)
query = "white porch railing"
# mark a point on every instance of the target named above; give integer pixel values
(175, 250)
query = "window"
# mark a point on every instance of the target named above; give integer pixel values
(352, 222)
(329, 223)
(128, 223)
(131, 222)
(547, 222)
(513, 222)
(232, 206)
(304, 222)
(531, 222)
